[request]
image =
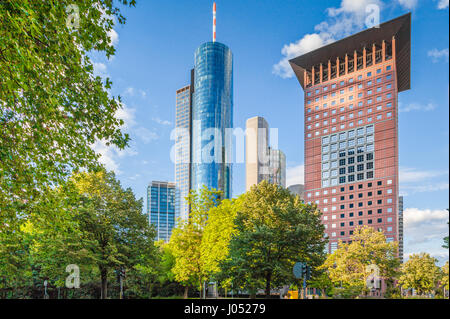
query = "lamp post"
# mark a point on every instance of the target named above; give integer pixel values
(45, 289)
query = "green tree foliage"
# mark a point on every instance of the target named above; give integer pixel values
(186, 240)
(445, 278)
(52, 107)
(420, 273)
(274, 231)
(90, 221)
(347, 266)
(217, 235)
(113, 222)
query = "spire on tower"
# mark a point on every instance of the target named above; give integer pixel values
(214, 22)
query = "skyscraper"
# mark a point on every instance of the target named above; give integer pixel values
(212, 114)
(161, 208)
(261, 161)
(351, 128)
(183, 124)
(400, 227)
(256, 148)
(204, 112)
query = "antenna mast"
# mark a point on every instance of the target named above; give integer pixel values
(214, 22)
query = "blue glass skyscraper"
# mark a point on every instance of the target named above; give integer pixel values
(161, 208)
(212, 114)
(204, 121)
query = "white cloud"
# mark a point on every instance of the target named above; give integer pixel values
(408, 175)
(295, 175)
(416, 107)
(408, 4)
(145, 135)
(162, 122)
(424, 232)
(100, 69)
(341, 22)
(306, 44)
(113, 37)
(412, 189)
(107, 156)
(443, 4)
(436, 55)
(415, 218)
(130, 91)
(127, 115)
(415, 181)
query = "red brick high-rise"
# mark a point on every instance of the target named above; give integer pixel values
(351, 128)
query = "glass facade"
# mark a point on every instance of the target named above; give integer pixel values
(161, 210)
(212, 113)
(182, 151)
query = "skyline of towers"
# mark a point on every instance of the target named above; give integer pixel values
(261, 161)
(351, 128)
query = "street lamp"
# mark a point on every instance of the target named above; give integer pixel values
(45, 289)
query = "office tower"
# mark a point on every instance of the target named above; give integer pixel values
(351, 128)
(261, 161)
(212, 114)
(204, 112)
(297, 189)
(183, 148)
(256, 150)
(161, 208)
(400, 227)
(277, 167)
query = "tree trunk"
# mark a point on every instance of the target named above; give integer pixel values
(268, 278)
(186, 290)
(104, 287)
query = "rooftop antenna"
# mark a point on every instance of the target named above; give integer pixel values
(214, 22)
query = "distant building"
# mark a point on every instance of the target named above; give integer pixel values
(161, 208)
(277, 167)
(297, 189)
(183, 126)
(400, 228)
(261, 161)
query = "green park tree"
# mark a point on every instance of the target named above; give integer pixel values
(52, 107)
(274, 230)
(112, 220)
(186, 240)
(420, 273)
(445, 276)
(347, 265)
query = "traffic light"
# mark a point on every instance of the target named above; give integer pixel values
(308, 272)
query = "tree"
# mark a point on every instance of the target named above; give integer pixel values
(217, 235)
(420, 273)
(274, 231)
(445, 278)
(186, 240)
(52, 107)
(113, 223)
(348, 265)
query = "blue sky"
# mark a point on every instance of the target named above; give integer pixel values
(155, 52)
